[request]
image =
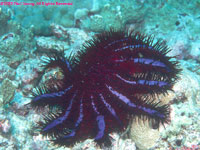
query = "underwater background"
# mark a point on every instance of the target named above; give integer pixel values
(28, 33)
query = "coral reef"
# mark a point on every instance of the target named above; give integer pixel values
(64, 39)
(6, 72)
(5, 16)
(47, 44)
(10, 44)
(5, 126)
(7, 91)
(81, 13)
(14, 39)
(27, 35)
(143, 136)
(184, 129)
(27, 74)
